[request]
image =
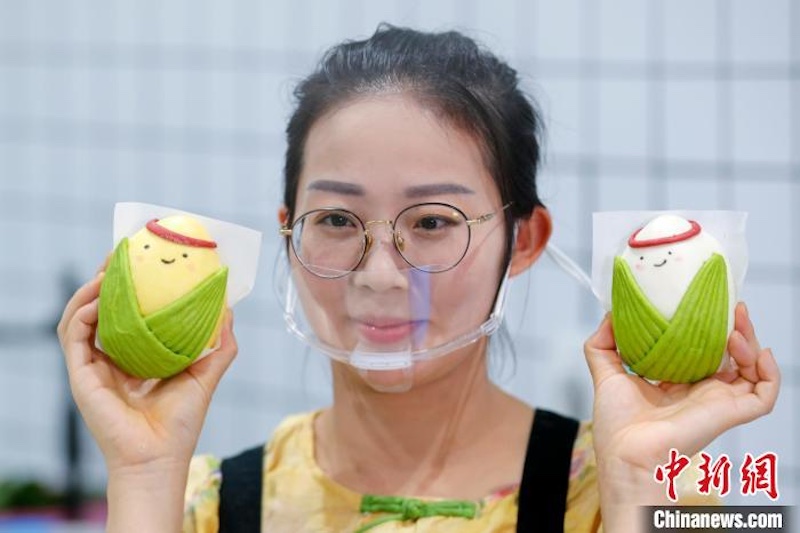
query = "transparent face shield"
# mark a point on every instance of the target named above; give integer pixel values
(383, 296)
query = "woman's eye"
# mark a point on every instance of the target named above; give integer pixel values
(336, 220)
(431, 223)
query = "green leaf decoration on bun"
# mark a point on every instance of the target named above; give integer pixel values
(162, 298)
(672, 301)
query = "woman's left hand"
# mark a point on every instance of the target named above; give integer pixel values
(636, 422)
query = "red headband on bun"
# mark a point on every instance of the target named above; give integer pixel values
(173, 236)
(691, 232)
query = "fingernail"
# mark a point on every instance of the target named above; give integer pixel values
(607, 316)
(746, 310)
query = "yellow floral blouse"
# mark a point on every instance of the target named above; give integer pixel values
(299, 497)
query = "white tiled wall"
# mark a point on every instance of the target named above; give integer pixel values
(648, 105)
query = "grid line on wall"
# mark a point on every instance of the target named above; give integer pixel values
(190, 58)
(656, 108)
(793, 22)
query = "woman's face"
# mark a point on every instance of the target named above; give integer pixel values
(375, 157)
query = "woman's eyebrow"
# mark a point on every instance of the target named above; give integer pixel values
(434, 189)
(415, 191)
(340, 187)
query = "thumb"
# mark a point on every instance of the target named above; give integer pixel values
(601, 352)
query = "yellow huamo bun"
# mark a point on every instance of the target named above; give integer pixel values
(162, 299)
(163, 270)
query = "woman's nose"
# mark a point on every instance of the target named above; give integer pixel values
(382, 267)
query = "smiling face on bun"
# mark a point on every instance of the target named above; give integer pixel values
(169, 257)
(665, 255)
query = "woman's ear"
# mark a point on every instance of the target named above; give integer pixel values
(532, 236)
(283, 215)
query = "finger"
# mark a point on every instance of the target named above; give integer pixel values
(603, 338)
(104, 266)
(728, 370)
(743, 324)
(770, 376)
(601, 354)
(729, 376)
(761, 400)
(76, 343)
(88, 292)
(755, 400)
(744, 356)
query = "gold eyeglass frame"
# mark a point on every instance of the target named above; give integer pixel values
(397, 239)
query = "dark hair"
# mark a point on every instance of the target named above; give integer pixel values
(446, 72)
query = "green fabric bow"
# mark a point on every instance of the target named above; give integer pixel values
(166, 341)
(685, 349)
(403, 509)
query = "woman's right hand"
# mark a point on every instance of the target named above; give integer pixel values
(140, 425)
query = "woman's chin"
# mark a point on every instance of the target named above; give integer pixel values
(394, 377)
(388, 381)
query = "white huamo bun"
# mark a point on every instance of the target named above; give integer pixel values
(664, 257)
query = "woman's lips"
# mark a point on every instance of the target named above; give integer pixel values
(387, 331)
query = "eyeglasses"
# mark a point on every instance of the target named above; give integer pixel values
(432, 237)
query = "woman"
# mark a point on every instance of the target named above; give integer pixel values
(410, 196)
